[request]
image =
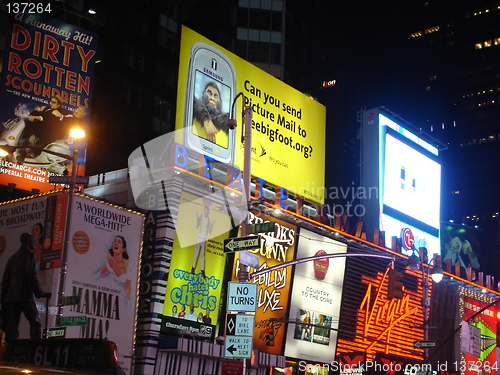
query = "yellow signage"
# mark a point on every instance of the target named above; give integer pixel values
(288, 127)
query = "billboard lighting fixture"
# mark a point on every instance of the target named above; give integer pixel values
(437, 274)
(414, 262)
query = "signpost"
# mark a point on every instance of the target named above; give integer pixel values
(241, 297)
(56, 332)
(241, 243)
(250, 259)
(424, 344)
(240, 324)
(69, 300)
(74, 320)
(84, 180)
(232, 367)
(238, 347)
(266, 227)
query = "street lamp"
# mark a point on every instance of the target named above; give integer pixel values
(75, 134)
(414, 264)
(246, 138)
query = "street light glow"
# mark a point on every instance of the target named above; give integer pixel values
(77, 133)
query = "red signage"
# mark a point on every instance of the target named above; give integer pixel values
(232, 367)
(386, 325)
(407, 238)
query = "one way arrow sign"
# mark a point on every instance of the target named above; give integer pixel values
(241, 243)
(424, 344)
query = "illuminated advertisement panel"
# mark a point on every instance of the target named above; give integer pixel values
(381, 324)
(408, 177)
(461, 244)
(192, 296)
(45, 90)
(316, 296)
(288, 127)
(30, 215)
(486, 322)
(103, 269)
(273, 287)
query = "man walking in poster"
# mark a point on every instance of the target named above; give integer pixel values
(204, 227)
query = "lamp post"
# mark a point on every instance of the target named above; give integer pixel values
(246, 138)
(75, 134)
(414, 264)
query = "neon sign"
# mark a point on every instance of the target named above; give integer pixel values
(386, 325)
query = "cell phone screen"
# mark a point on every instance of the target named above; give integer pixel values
(212, 101)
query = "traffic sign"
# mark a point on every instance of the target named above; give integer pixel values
(241, 297)
(269, 226)
(67, 180)
(424, 344)
(250, 259)
(56, 332)
(241, 243)
(69, 300)
(238, 347)
(74, 320)
(240, 324)
(232, 367)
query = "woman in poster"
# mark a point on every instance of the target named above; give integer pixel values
(306, 328)
(118, 265)
(182, 314)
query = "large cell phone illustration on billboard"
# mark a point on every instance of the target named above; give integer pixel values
(210, 91)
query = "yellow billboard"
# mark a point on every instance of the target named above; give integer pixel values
(194, 284)
(288, 127)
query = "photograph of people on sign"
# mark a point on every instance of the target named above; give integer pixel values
(462, 245)
(308, 329)
(194, 284)
(16, 218)
(45, 91)
(103, 269)
(316, 295)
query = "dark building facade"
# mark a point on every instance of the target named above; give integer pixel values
(437, 67)
(138, 59)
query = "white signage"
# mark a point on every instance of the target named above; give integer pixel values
(241, 297)
(240, 324)
(238, 347)
(250, 259)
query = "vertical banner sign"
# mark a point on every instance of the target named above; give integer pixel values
(16, 218)
(103, 268)
(53, 239)
(316, 296)
(274, 287)
(194, 285)
(46, 89)
(486, 322)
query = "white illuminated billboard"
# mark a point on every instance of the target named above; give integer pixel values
(405, 167)
(410, 185)
(316, 296)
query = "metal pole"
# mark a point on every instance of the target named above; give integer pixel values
(64, 260)
(425, 299)
(247, 174)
